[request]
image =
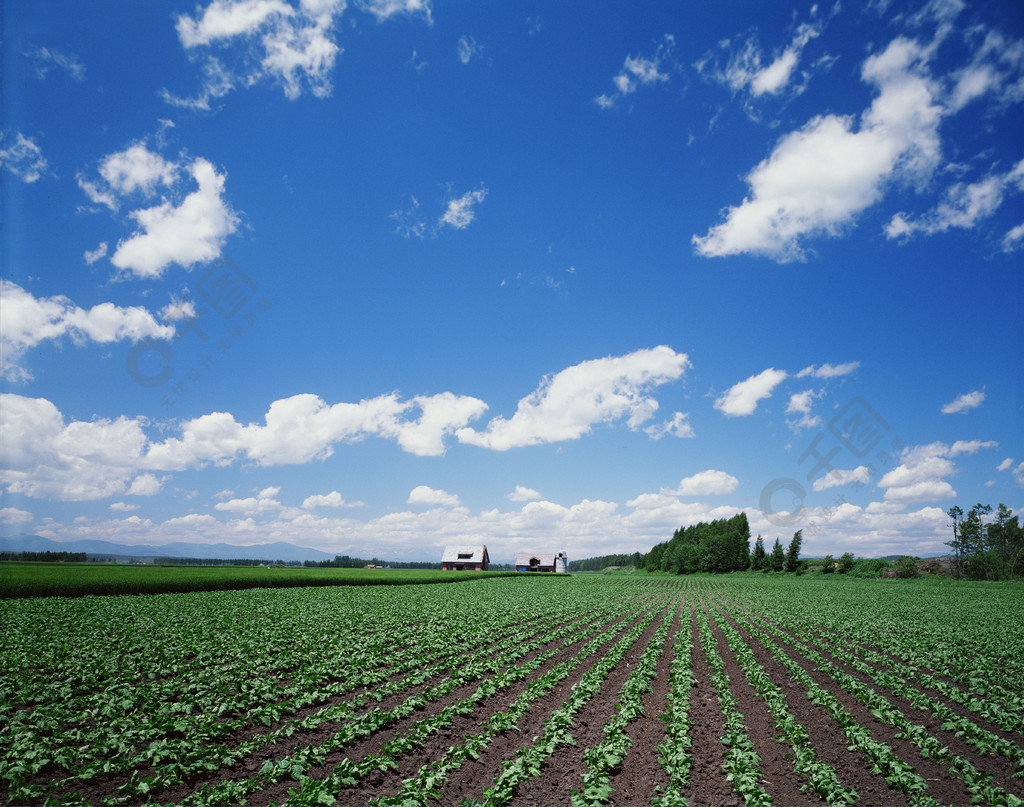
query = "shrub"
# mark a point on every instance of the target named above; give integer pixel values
(845, 563)
(905, 567)
(828, 564)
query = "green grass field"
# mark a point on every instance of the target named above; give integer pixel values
(81, 579)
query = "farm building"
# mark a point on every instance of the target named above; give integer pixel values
(465, 558)
(541, 562)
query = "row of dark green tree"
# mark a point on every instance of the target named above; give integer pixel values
(720, 546)
(604, 561)
(45, 557)
(986, 545)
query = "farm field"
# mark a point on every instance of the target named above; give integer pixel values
(82, 579)
(578, 690)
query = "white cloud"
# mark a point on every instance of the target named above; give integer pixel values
(303, 428)
(964, 206)
(678, 426)
(91, 256)
(79, 461)
(800, 402)
(137, 169)
(459, 213)
(25, 321)
(250, 505)
(706, 483)
(224, 19)
(269, 492)
(145, 485)
(296, 46)
(467, 48)
(569, 403)
(178, 309)
(835, 478)
(123, 507)
(46, 59)
(291, 44)
(332, 499)
(817, 179)
(639, 71)
(24, 159)
(1013, 238)
(383, 9)
(421, 494)
(970, 446)
(921, 474)
(186, 234)
(1018, 474)
(742, 398)
(747, 70)
(523, 494)
(13, 516)
(829, 370)
(1005, 464)
(963, 403)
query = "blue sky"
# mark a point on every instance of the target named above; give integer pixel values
(380, 276)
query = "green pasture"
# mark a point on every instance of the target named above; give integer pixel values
(81, 579)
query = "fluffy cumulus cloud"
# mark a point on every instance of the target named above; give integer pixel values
(332, 499)
(817, 179)
(706, 483)
(187, 227)
(26, 320)
(239, 43)
(962, 404)
(837, 478)
(523, 494)
(638, 71)
(569, 403)
(23, 158)
(922, 472)
(44, 457)
(742, 398)
(421, 494)
(186, 234)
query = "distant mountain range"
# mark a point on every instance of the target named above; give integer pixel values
(275, 551)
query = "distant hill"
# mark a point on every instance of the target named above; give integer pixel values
(275, 551)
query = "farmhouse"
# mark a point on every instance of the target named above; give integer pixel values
(541, 562)
(465, 558)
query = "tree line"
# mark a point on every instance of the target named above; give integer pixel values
(985, 548)
(45, 557)
(604, 561)
(345, 562)
(719, 546)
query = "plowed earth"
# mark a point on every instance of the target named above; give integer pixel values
(559, 653)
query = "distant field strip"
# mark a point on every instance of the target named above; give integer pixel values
(582, 690)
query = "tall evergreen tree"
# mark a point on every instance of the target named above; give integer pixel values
(793, 553)
(778, 557)
(759, 558)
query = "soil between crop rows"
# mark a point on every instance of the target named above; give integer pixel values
(640, 777)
